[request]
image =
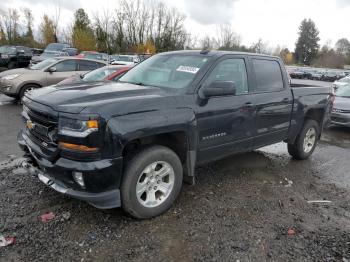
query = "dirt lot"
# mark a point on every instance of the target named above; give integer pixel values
(240, 210)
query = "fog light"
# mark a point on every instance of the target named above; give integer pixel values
(78, 177)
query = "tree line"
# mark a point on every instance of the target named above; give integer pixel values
(149, 26)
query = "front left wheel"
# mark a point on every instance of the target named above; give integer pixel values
(151, 182)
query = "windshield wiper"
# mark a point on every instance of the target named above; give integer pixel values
(133, 83)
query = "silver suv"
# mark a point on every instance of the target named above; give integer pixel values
(16, 82)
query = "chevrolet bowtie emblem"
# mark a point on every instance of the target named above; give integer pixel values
(30, 125)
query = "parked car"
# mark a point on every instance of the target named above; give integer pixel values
(90, 55)
(15, 56)
(37, 51)
(341, 110)
(298, 74)
(71, 51)
(330, 76)
(110, 72)
(132, 143)
(17, 82)
(315, 75)
(47, 55)
(341, 82)
(56, 47)
(129, 60)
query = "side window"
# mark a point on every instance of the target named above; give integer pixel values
(65, 66)
(84, 65)
(268, 75)
(230, 70)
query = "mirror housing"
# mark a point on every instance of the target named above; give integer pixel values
(219, 88)
(52, 69)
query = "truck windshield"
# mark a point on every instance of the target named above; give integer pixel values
(343, 91)
(168, 71)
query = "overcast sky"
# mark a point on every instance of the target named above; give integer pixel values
(275, 21)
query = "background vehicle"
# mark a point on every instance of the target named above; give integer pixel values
(330, 76)
(298, 74)
(316, 75)
(341, 82)
(17, 82)
(110, 72)
(46, 55)
(56, 47)
(341, 110)
(91, 55)
(71, 51)
(132, 143)
(15, 56)
(129, 60)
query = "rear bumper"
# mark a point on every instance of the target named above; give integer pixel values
(102, 177)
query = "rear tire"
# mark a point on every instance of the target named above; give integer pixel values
(151, 182)
(305, 143)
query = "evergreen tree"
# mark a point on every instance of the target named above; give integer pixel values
(83, 35)
(307, 46)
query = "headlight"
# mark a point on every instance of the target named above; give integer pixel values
(76, 128)
(10, 77)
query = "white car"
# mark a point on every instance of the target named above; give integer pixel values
(128, 60)
(342, 82)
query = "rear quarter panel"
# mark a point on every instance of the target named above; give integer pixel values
(306, 99)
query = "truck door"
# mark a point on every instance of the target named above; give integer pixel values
(273, 100)
(225, 123)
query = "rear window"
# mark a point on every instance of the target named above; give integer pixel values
(268, 75)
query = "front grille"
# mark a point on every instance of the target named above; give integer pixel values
(44, 129)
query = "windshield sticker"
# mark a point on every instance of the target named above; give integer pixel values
(188, 69)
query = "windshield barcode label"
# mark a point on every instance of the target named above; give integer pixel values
(188, 69)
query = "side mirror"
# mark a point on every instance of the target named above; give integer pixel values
(52, 69)
(219, 88)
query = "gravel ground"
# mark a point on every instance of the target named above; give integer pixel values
(240, 210)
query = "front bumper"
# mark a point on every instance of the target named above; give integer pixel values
(7, 87)
(102, 177)
(103, 200)
(341, 119)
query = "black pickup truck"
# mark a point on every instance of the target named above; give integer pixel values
(15, 56)
(133, 143)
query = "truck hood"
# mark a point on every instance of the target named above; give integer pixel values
(342, 103)
(100, 97)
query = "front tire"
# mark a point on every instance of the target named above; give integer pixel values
(306, 141)
(26, 89)
(151, 182)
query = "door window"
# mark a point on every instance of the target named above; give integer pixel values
(268, 75)
(230, 70)
(65, 66)
(84, 65)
